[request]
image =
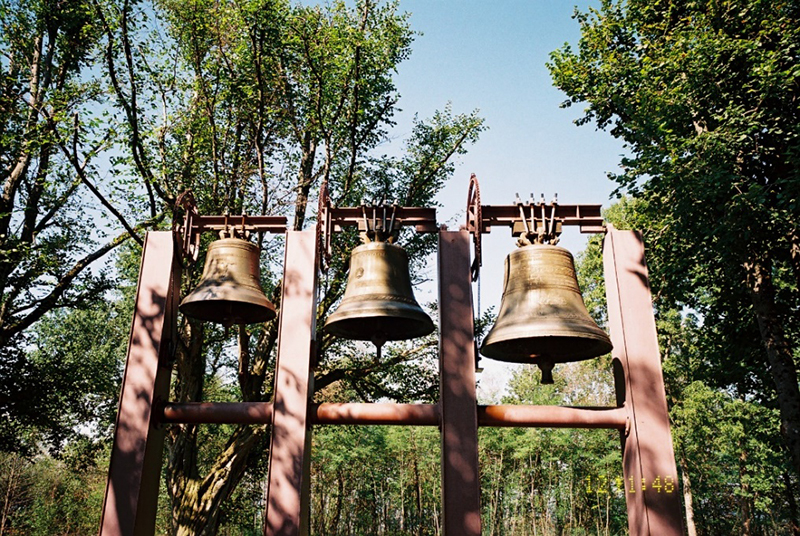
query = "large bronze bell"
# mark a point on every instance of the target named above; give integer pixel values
(229, 291)
(542, 318)
(378, 303)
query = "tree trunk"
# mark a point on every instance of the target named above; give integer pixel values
(787, 481)
(338, 512)
(305, 179)
(779, 353)
(688, 504)
(196, 499)
(794, 254)
(747, 511)
(402, 493)
(418, 493)
(197, 510)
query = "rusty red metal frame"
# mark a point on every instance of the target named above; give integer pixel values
(641, 415)
(129, 505)
(332, 219)
(360, 414)
(481, 218)
(647, 453)
(290, 441)
(461, 483)
(421, 218)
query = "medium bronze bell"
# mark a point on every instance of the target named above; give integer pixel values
(378, 303)
(542, 318)
(229, 291)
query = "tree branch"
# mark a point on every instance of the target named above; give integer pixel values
(49, 302)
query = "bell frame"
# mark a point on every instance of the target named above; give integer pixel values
(640, 414)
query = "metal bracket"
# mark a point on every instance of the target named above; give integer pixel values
(194, 225)
(533, 230)
(475, 223)
(524, 221)
(379, 225)
(376, 221)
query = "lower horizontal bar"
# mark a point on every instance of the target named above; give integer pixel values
(218, 412)
(400, 414)
(552, 417)
(406, 414)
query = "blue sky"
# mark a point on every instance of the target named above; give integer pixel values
(491, 56)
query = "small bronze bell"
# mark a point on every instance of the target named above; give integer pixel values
(378, 303)
(229, 291)
(542, 318)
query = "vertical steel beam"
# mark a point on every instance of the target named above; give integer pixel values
(129, 507)
(461, 507)
(289, 449)
(651, 479)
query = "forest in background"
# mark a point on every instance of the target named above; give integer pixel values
(110, 109)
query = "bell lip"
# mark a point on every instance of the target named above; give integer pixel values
(209, 311)
(416, 322)
(243, 305)
(597, 346)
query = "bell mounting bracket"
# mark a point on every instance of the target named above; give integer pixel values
(376, 221)
(188, 233)
(532, 222)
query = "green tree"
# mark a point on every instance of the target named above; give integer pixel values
(49, 497)
(705, 96)
(724, 445)
(53, 142)
(252, 105)
(735, 475)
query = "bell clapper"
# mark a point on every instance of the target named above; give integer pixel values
(378, 339)
(546, 364)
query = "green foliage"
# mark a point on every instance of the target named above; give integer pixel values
(48, 497)
(736, 467)
(108, 111)
(51, 135)
(704, 95)
(375, 480)
(67, 380)
(727, 443)
(545, 481)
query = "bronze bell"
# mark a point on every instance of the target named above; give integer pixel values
(542, 318)
(229, 291)
(378, 303)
